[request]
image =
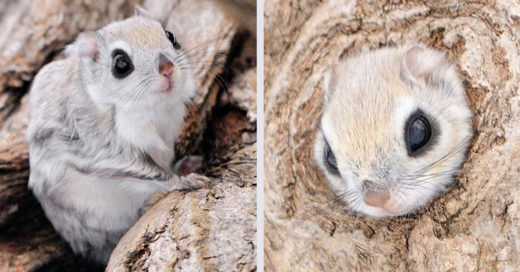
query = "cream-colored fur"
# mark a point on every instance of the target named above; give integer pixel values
(368, 99)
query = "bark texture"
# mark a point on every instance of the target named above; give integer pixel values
(475, 225)
(205, 230)
(220, 126)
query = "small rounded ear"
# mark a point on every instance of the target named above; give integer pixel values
(330, 80)
(140, 11)
(424, 65)
(86, 45)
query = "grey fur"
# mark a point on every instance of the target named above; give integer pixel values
(90, 179)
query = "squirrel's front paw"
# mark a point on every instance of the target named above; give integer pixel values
(191, 181)
(195, 181)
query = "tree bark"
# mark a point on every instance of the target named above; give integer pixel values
(220, 126)
(475, 225)
(211, 229)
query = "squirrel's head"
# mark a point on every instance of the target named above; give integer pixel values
(133, 63)
(395, 128)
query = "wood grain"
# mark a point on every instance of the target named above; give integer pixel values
(475, 226)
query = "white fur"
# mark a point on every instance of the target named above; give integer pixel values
(89, 130)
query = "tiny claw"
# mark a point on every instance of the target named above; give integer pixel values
(189, 182)
(196, 180)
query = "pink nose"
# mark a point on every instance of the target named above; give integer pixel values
(166, 68)
(374, 195)
(376, 198)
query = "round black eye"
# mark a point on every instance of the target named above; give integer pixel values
(418, 133)
(121, 64)
(329, 159)
(173, 40)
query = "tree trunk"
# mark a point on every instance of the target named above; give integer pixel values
(475, 225)
(220, 126)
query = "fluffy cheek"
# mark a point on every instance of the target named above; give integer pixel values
(412, 199)
(159, 84)
(105, 91)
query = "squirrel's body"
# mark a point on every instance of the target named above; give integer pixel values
(102, 144)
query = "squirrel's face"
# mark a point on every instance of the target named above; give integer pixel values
(134, 63)
(395, 128)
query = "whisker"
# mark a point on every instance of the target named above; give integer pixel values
(199, 53)
(195, 44)
(458, 148)
(137, 92)
(200, 47)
